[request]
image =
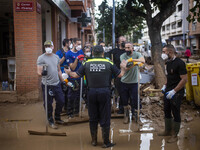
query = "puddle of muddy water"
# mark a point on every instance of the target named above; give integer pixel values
(145, 141)
(14, 136)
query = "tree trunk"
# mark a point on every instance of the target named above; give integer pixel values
(156, 50)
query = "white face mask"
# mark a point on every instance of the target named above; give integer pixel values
(48, 50)
(164, 56)
(78, 48)
(71, 46)
(88, 54)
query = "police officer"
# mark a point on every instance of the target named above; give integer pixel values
(98, 72)
(54, 81)
(173, 92)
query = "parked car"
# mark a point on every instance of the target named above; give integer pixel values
(180, 50)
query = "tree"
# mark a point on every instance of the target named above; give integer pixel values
(194, 12)
(144, 8)
(124, 23)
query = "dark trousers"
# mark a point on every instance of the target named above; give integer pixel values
(99, 106)
(73, 100)
(117, 83)
(172, 106)
(57, 93)
(187, 57)
(129, 92)
(66, 100)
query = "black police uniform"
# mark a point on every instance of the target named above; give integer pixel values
(98, 72)
(116, 59)
(174, 68)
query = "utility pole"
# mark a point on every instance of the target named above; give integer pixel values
(102, 8)
(113, 26)
(84, 20)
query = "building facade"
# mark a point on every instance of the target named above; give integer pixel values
(25, 25)
(194, 31)
(175, 29)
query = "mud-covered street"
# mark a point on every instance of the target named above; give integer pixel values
(17, 119)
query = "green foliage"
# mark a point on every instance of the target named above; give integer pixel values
(125, 24)
(194, 12)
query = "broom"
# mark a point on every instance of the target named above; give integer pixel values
(46, 132)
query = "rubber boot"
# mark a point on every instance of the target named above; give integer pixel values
(175, 131)
(126, 114)
(93, 132)
(168, 128)
(105, 135)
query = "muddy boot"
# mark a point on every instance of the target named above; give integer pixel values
(93, 132)
(126, 114)
(105, 135)
(168, 128)
(175, 131)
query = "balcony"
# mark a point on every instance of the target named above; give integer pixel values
(76, 6)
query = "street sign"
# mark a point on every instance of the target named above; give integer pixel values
(84, 20)
(24, 6)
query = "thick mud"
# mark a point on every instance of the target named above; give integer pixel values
(17, 119)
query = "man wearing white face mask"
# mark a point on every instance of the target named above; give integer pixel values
(173, 92)
(74, 59)
(54, 76)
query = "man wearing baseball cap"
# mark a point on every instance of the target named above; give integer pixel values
(54, 82)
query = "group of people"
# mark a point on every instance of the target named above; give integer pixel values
(90, 63)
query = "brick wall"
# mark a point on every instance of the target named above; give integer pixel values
(28, 46)
(72, 30)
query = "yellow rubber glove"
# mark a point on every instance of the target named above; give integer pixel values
(133, 63)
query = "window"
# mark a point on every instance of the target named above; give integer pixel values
(174, 25)
(163, 28)
(180, 24)
(168, 27)
(180, 7)
(194, 25)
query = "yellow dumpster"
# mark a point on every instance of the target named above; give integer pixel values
(195, 81)
(188, 86)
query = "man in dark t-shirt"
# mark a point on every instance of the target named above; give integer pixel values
(173, 92)
(115, 54)
(98, 72)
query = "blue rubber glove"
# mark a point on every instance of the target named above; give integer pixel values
(170, 94)
(163, 89)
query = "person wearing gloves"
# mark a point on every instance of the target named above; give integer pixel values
(74, 59)
(173, 92)
(98, 72)
(129, 82)
(54, 82)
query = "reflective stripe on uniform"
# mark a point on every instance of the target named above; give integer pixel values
(99, 59)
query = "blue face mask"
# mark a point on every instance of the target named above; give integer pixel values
(128, 53)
